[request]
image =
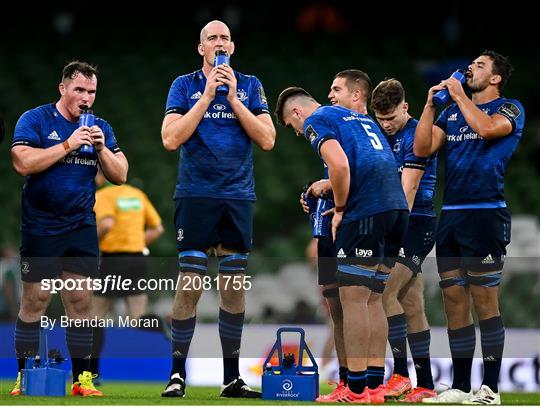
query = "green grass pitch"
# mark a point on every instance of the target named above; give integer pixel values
(148, 393)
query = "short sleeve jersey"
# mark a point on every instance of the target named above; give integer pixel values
(132, 212)
(217, 160)
(402, 145)
(61, 198)
(475, 168)
(374, 185)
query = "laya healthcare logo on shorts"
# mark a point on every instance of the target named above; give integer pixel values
(363, 252)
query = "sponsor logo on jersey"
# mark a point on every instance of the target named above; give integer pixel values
(128, 204)
(219, 107)
(509, 110)
(262, 96)
(219, 115)
(54, 136)
(311, 134)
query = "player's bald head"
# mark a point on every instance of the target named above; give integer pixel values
(215, 24)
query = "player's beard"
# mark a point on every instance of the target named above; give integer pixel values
(476, 87)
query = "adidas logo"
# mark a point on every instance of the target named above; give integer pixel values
(452, 117)
(54, 136)
(396, 350)
(341, 254)
(236, 352)
(489, 359)
(196, 95)
(488, 260)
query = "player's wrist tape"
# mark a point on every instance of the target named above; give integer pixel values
(65, 144)
(340, 208)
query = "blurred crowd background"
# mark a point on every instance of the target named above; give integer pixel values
(305, 44)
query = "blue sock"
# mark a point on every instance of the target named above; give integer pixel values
(357, 381)
(419, 343)
(182, 333)
(492, 336)
(230, 334)
(26, 341)
(462, 344)
(79, 344)
(375, 376)
(343, 373)
(397, 337)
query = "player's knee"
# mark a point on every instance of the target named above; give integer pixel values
(193, 261)
(233, 263)
(35, 303)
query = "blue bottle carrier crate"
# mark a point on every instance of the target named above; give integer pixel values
(290, 380)
(43, 375)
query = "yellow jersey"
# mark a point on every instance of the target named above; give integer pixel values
(132, 212)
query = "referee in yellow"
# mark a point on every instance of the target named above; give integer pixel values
(127, 223)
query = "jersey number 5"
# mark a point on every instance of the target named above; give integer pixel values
(375, 142)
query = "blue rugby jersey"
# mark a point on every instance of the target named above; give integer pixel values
(402, 145)
(475, 167)
(217, 160)
(61, 198)
(374, 185)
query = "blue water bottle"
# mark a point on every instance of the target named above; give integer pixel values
(222, 57)
(443, 96)
(321, 226)
(312, 205)
(311, 202)
(88, 119)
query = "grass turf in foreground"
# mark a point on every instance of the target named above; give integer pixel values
(145, 393)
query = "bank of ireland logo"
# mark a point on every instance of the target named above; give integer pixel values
(287, 385)
(180, 235)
